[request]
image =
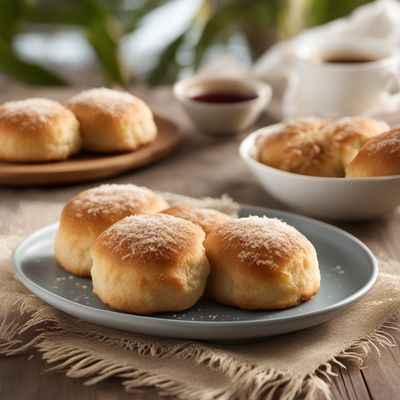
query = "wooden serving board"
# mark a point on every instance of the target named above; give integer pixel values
(86, 167)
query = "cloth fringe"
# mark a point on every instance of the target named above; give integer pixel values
(43, 325)
(223, 204)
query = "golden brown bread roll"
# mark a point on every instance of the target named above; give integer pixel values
(112, 121)
(146, 264)
(343, 139)
(295, 148)
(91, 212)
(35, 130)
(260, 264)
(379, 156)
(317, 147)
(206, 218)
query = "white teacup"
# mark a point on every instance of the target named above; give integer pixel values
(223, 118)
(344, 76)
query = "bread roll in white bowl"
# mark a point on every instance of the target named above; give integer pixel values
(345, 199)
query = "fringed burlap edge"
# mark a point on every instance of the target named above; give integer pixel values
(48, 331)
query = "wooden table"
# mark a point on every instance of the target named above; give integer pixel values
(203, 166)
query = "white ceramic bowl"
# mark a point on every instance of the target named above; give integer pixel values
(346, 199)
(222, 119)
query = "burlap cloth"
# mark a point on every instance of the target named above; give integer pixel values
(293, 363)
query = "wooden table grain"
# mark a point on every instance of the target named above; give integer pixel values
(202, 166)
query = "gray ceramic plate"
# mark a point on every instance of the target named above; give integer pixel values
(348, 270)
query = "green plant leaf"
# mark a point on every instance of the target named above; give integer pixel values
(106, 49)
(167, 67)
(131, 19)
(99, 24)
(11, 12)
(24, 71)
(251, 18)
(103, 32)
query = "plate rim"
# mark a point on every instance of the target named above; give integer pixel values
(338, 306)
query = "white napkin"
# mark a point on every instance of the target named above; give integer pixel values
(380, 20)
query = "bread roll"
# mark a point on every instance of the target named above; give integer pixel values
(343, 139)
(296, 148)
(150, 263)
(260, 264)
(37, 130)
(112, 121)
(206, 218)
(380, 156)
(91, 212)
(318, 147)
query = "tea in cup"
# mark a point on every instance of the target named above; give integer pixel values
(345, 76)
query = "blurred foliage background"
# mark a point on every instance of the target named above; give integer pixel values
(105, 24)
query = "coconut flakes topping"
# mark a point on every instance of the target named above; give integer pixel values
(112, 199)
(262, 239)
(105, 100)
(160, 236)
(31, 113)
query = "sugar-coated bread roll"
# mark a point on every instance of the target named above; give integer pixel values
(146, 264)
(380, 156)
(112, 121)
(91, 212)
(206, 218)
(260, 264)
(37, 130)
(318, 147)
